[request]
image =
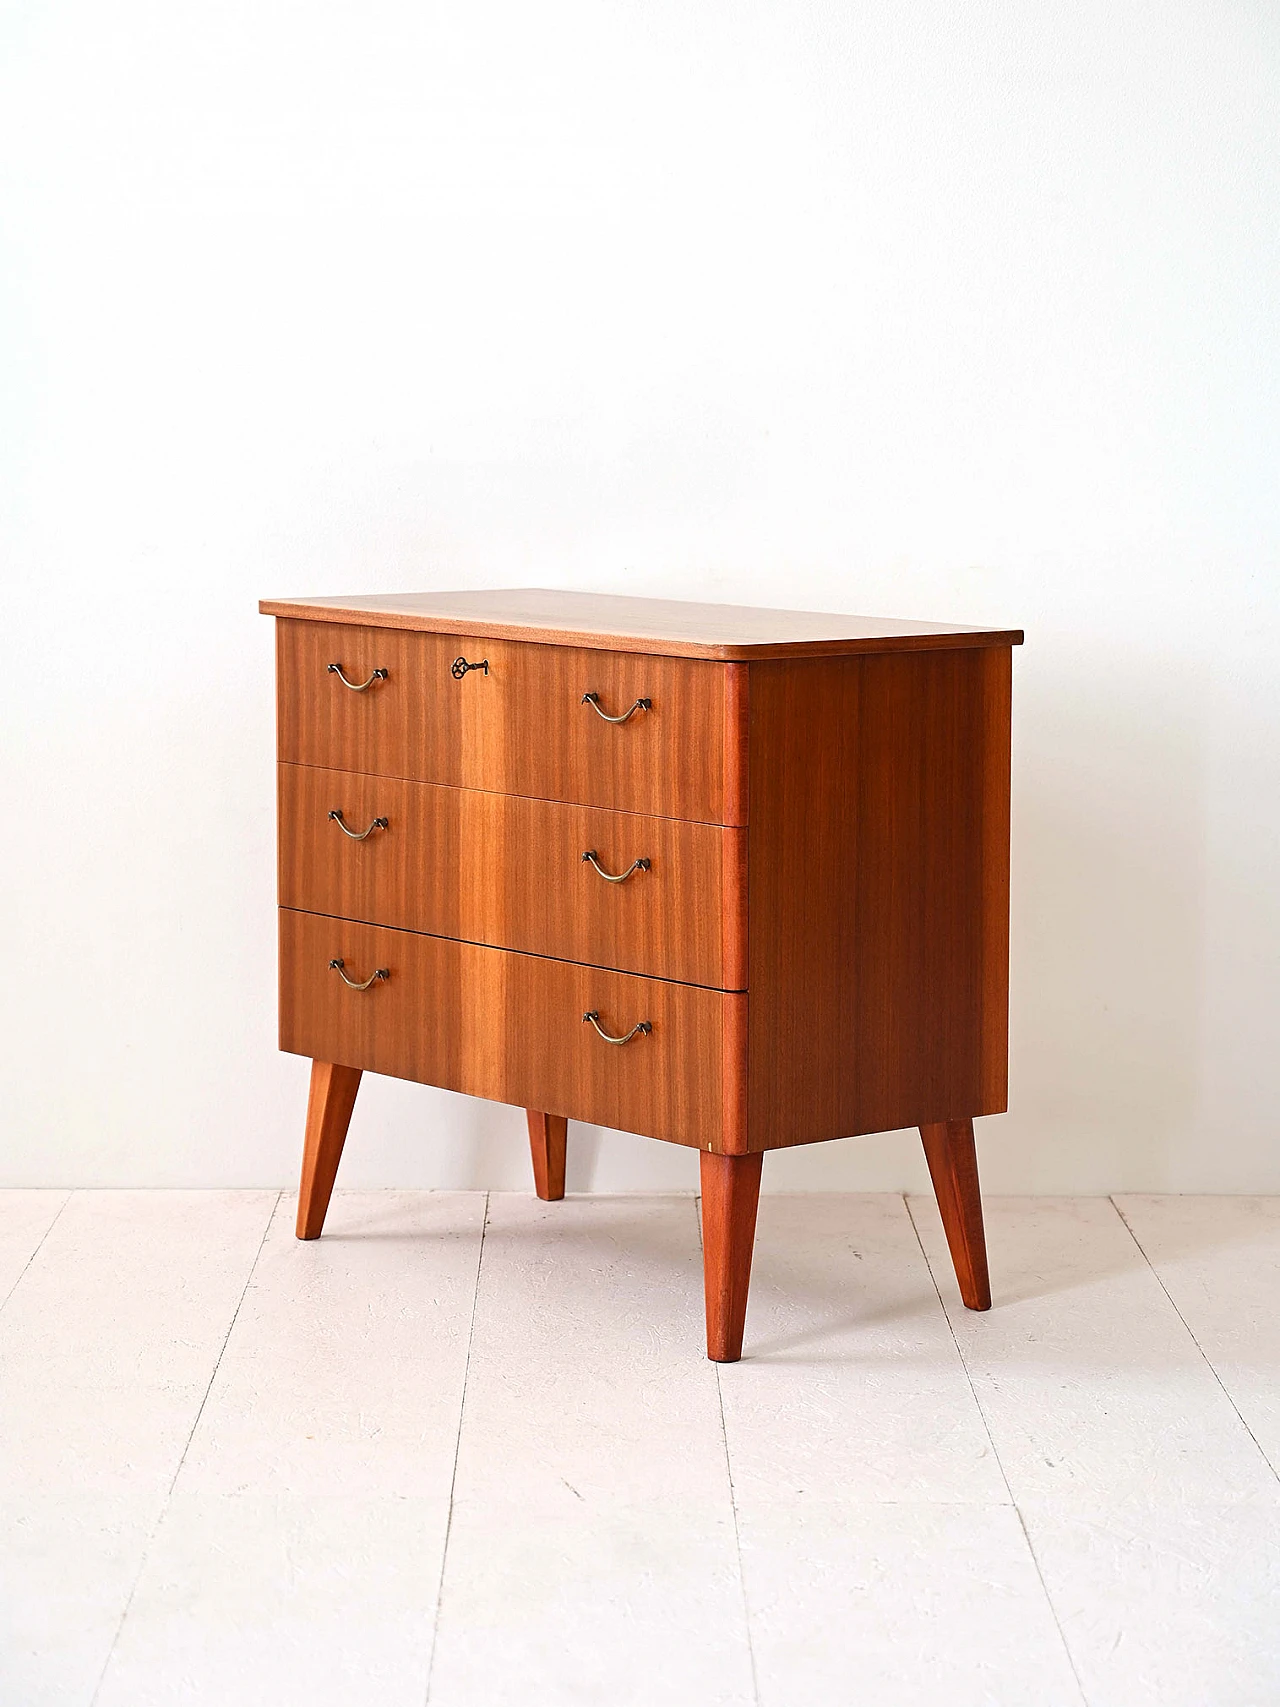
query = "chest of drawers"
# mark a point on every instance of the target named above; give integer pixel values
(731, 878)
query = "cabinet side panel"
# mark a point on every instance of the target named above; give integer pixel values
(802, 847)
(997, 670)
(878, 900)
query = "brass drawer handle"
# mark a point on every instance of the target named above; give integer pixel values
(642, 1029)
(593, 700)
(357, 687)
(460, 666)
(337, 966)
(592, 858)
(357, 835)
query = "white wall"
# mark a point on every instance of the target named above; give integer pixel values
(963, 310)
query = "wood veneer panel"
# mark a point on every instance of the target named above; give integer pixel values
(736, 744)
(733, 892)
(508, 871)
(520, 728)
(508, 1027)
(616, 622)
(878, 909)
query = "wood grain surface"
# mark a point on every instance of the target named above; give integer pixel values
(508, 1027)
(730, 1198)
(520, 728)
(508, 871)
(548, 1145)
(617, 622)
(329, 1105)
(879, 893)
(953, 1167)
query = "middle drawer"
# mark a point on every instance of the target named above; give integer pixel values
(510, 872)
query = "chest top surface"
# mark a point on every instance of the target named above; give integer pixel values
(619, 623)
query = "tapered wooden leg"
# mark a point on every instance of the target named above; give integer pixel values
(333, 1096)
(730, 1196)
(953, 1165)
(547, 1138)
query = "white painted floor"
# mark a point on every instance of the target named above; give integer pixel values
(468, 1452)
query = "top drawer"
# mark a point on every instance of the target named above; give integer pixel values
(521, 726)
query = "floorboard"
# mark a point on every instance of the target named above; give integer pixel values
(1218, 1258)
(464, 1453)
(300, 1554)
(592, 1554)
(1153, 1515)
(108, 1344)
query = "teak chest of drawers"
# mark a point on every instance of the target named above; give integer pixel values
(732, 878)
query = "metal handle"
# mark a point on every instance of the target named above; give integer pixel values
(593, 700)
(642, 1029)
(591, 857)
(337, 965)
(460, 666)
(357, 835)
(357, 687)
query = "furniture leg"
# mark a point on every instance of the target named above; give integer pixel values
(730, 1196)
(333, 1096)
(953, 1166)
(548, 1134)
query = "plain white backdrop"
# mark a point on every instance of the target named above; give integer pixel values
(963, 311)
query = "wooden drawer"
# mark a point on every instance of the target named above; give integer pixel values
(509, 1027)
(520, 727)
(508, 871)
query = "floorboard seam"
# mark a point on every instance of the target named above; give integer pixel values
(164, 1505)
(1195, 1342)
(737, 1544)
(457, 1450)
(35, 1253)
(733, 1498)
(995, 1453)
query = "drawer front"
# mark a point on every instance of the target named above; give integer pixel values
(509, 1027)
(509, 871)
(519, 727)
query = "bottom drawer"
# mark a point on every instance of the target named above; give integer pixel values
(509, 1027)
